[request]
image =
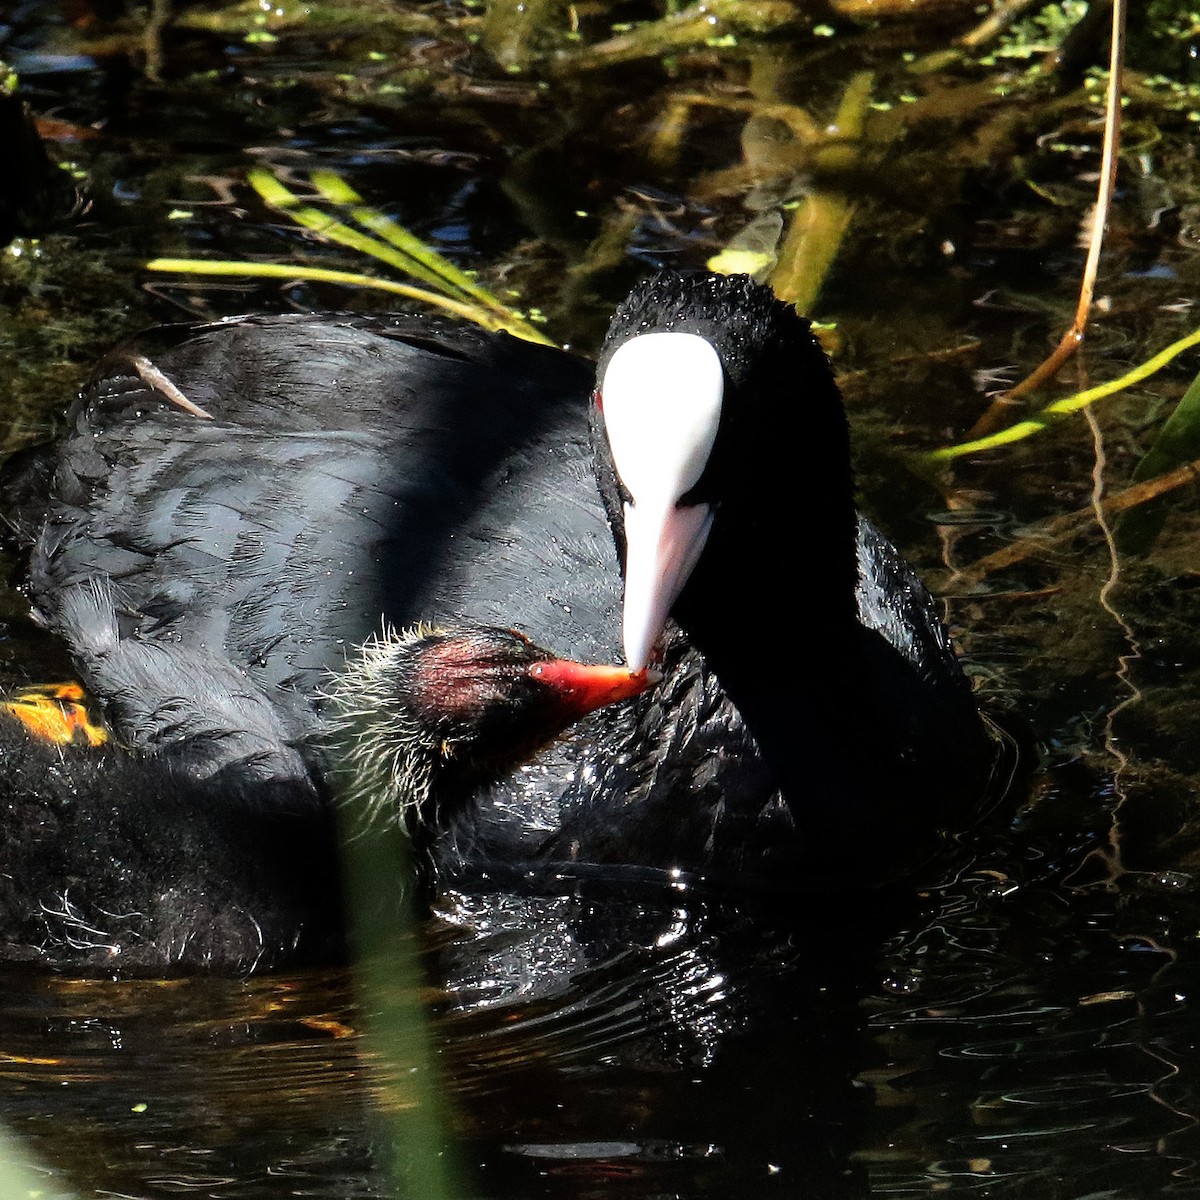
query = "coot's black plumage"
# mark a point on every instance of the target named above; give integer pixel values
(119, 862)
(358, 467)
(828, 645)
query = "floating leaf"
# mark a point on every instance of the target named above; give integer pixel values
(736, 261)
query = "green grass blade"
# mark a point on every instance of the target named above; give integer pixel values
(396, 246)
(336, 190)
(421, 1152)
(486, 318)
(276, 196)
(1178, 442)
(1067, 405)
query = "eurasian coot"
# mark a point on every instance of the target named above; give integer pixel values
(724, 464)
(812, 725)
(123, 862)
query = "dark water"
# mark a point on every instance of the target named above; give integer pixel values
(1021, 1025)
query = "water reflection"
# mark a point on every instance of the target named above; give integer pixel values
(1036, 1051)
(162, 1088)
(1003, 1038)
(678, 1053)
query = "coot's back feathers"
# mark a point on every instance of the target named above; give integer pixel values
(357, 471)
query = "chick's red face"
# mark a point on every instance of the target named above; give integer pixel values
(461, 678)
(496, 690)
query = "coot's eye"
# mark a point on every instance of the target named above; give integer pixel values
(598, 399)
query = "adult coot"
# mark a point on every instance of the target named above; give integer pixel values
(812, 724)
(123, 862)
(723, 461)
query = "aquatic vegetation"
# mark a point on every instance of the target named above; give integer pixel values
(449, 288)
(1184, 415)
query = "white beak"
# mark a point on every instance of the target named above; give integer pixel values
(661, 399)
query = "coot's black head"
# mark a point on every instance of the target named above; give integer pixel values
(430, 715)
(722, 456)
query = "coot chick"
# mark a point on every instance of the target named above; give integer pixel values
(119, 862)
(812, 733)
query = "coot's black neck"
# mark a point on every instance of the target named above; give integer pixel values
(772, 604)
(788, 658)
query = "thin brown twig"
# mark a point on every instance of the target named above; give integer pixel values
(1071, 523)
(999, 19)
(997, 412)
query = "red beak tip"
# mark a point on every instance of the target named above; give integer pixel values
(591, 686)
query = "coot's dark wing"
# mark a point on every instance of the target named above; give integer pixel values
(356, 471)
